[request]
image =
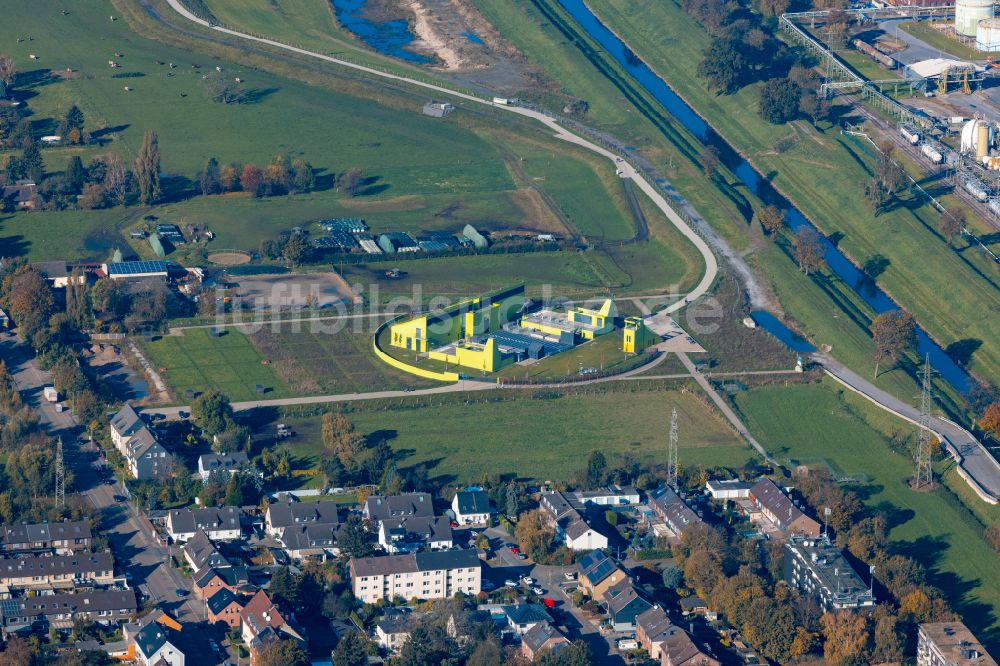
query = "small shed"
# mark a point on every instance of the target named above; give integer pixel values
(476, 238)
(438, 109)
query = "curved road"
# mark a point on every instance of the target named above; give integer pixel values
(975, 464)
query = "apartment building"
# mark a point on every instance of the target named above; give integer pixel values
(436, 575)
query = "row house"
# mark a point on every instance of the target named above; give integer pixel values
(411, 505)
(778, 508)
(668, 644)
(56, 571)
(263, 623)
(672, 510)
(437, 575)
(63, 538)
(281, 516)
(106, 607)
(218, 523)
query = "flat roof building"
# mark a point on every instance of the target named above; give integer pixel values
(950, 644)
(135, 270)
(818, 568)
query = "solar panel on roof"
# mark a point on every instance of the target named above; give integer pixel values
(137, 267)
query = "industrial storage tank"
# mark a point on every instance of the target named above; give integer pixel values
(932, 153)
(994, 205)
(968, 14)
(977, 137)
(976, 189)
(988, 35)
(912, 137)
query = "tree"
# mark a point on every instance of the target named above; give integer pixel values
(992, 536)
(770, 218)
(596, 465)
(277, 175)
(672, 577)
(8, 70)
(209, 179)
(428, 645)
(894, 333)
(576, 653)
(303, 178)
(13, 171)
(351, 651)
(877, 195)
(229, 177)
(334, 471)
(283, 653)
(353, 539)
(888, 641)
(702, 571)
(710, 160)
(512, 502)
(252, 179)
(221, 88)
(990, 421)
(351, 182)
(724, 65)
(147, 168)
(75, 175)
(32, 165)
(212, 412)
(296, 249)
(487, 653)
(808, 249)
(779, 100)
(845, 637)
(340, 438)
(18, 652)
(951, 224)
(534, 534)
(116, 178)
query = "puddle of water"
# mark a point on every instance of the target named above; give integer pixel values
(472, 37)
(387, 37)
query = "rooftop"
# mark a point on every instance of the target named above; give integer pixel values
(957, 644)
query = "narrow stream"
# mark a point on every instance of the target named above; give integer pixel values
(839, 264)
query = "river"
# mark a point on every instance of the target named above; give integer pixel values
(853, 277)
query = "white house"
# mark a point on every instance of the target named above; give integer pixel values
(436, 575)
(407, 535)
(728, 489)
(218, 523)
(154, 648)
(471, 507)
(571, 525)
(392, 633)
(226, 462)
(280, 517)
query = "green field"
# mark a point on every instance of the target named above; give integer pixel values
(946, 290)
(535, 439)
(820, 424)
(937, 40)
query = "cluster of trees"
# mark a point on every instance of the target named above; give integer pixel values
(744, 50)
(888, 182)
(281, 176)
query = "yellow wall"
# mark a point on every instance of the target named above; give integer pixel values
(636, 336)
(483, 358)
(411, 334)
(406, 367)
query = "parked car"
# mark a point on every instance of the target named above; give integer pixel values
(628, 644)
(569, 575)
(509, 583)
(527, 580)
(514, 549)
(537, 590)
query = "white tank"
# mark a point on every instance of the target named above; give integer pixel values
(968, 14)
(932, 153)
(976, 189)
(912, 137)
(971, 133)
(995, 206)
(988, 35)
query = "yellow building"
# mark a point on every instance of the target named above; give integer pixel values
(484, 356)
(636, 336)
(586, 323)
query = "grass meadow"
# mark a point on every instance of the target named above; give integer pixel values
(820, 424)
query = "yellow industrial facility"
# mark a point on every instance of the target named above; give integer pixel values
(637, 337)
(586, 323)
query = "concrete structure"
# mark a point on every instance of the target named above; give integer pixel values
(263, 623)
(728, 489)
(281, 516)
(416, 575)
(438, 109)
(412, 505)
(671, 509)
(968, 14)
(818, 569)
(571, 524)
(579, 322)
(60, 538)
(391, 633)
(219, 523)
(950, 644)
(471, 507)
(33, 572)
(624, 605)
(225, 462)
(408, 535)
(778, 508)
(224, 606)
(542, 637)
(637, 337)
(106, 607)
(599, 573)
(144, 456)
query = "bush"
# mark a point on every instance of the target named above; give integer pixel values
(779, 100)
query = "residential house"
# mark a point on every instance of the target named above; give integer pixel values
(59, 273)
(408, 535)
(412, 505)
(56, 571)
(307, 540)
(281, 516)
(778, 508)
(4, 320)
(224, 606)
(652, 629)
(391, 633)
(23, 195)
(679, 650)
(613, 495)
(669, 507)
(571, 524)
(61, 538)
(436, 575)
(144, 456)
(206, 582)
(157, 644)
(200, 552)
(598, 573)
(263, 623)
(542, 637)
(218, 523)
(624, 604)
(106, 607)
(950, 644)
(693, 604)
(221, 462)
(521, 618)
(728, 489)
(471, 507)
(818, 569)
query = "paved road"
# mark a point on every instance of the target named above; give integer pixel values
(136, 550)
(975, 464)
(626, 170)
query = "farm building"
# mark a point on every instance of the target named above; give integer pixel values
(135, 270)
(474, 237)
(438, 109)
(397, 241)
(22, 195)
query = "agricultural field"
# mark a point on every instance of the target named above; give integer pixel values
(821, 425)
(295, 359)
(463, 436)
(946, 290)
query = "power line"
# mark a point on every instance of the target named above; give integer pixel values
(672, 465)
(60, 476)
(923, 474)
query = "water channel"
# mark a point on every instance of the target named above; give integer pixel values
(387, 37)
(838, 263)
